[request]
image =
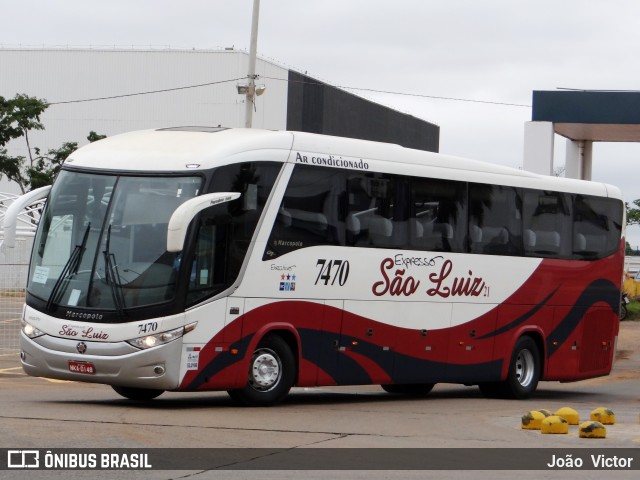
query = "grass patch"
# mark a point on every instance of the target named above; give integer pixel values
(633, 310)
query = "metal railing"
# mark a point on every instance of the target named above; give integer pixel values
(14, 265)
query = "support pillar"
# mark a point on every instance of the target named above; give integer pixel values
(578, 161)
(538, 147)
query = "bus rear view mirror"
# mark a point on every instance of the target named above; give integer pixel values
(182, 216)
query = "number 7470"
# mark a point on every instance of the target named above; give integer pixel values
(332, 270)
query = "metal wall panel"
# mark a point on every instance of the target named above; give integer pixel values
(60, 75)
(317, 107)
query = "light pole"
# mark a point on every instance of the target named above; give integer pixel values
(251, 87)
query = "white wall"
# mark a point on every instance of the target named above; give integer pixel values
(74, 74)
(538, 147)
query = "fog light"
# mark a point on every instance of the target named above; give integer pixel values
(159, 370)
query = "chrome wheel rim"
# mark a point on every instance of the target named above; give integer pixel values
(525, 368)
(265, 370)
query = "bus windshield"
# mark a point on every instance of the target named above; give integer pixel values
(102, 241)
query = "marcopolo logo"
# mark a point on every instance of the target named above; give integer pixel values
(23, 459)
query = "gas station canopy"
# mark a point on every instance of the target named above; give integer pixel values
(598, 116)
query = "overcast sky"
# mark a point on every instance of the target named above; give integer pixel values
(486, 50)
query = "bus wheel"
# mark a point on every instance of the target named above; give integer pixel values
(523, 376)
(524, 371)
(409, 389)
(623, 310)
(271, 374)
(138, 394)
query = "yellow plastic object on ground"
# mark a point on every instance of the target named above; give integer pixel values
(545, 412)
(569, 414)
(603, 415)
(554, 424)
(631, 286)
(532, 420)
(592, 429)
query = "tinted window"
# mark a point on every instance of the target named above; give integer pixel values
(597, 226)
(326, 206)
(311, 212)
(547, 224)
(495, 220)
(225, 230)
(438, 215)
(377, 210)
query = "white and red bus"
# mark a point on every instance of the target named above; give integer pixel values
(191, 259)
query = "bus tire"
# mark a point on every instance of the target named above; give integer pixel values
(137, 394)
(271, 374)
(623, 310)
(524, 370)
(523, 376)
(409, 389)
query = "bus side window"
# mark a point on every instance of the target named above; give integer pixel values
(438, 215)
(209, 269)
(547, 224)
(597, 227)
(225, 231)
(378, 210)
(372, 210)
(495, 220)
(311, 211)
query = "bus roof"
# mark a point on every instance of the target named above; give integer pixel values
(191, 149)
(172, 149)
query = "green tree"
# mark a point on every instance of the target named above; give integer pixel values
(19, 116)
(633, 213)
(44, 168)
(628, 250)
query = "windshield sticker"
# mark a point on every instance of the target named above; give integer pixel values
(40, 275)
(74, 297)
(204, 276)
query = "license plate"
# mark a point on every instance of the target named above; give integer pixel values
(82, 367)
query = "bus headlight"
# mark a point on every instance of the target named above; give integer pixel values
(30, 331)
(149, 341)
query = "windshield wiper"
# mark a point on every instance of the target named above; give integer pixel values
(112, 277)
(70, 268)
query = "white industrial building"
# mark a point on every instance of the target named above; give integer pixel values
(112, 91)
(70, 75)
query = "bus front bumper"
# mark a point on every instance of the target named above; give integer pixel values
(117, 364)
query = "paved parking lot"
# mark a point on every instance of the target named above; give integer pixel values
(41, 413)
